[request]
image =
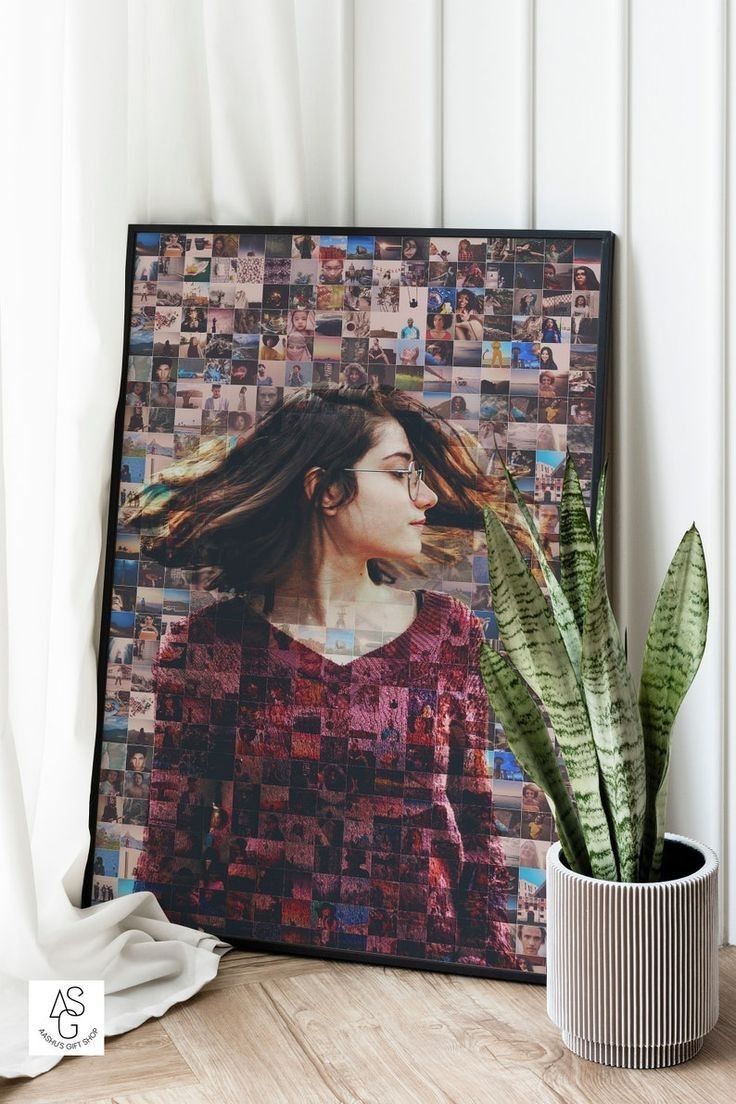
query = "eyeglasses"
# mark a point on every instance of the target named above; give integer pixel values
(415, 474)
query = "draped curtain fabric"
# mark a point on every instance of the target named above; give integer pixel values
(512, 114)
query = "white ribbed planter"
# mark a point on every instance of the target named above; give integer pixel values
(632, 968)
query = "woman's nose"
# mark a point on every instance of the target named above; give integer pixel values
(426, 498)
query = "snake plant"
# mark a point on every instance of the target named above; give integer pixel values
(562, 648)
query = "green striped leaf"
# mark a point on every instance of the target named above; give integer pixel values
(672, 655)
(563, 613)
(529, 740)
(600, 501)
(534, 645)
(577, 545)
(613, 709)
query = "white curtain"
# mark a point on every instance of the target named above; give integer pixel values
(506, 114)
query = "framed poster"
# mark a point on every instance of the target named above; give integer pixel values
(295, 748)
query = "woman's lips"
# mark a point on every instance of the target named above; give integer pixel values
(422, 522)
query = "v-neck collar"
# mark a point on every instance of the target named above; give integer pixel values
(397, 648)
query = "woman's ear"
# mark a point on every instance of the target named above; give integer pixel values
(329, 496)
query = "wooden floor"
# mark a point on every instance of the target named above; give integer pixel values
(273, 1029)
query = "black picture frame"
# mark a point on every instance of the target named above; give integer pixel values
(530, 268)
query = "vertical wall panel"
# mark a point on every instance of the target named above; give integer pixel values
(488, 177)
(398, 112)
(578, 114)
(30, 192)
(668, 434)
(325, 45)
(729, 498)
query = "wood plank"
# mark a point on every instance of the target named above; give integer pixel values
(240, 1048)
(189, 1094)
(245, 967)
(139, 1061)
(377, 1037)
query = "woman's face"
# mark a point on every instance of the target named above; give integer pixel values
(295, 346)
(382, 521)
(299, 321)
(410, 249)
(545, 356)
(580, 277)
(437, 322)
(528, 853)
(463, 302)
(581, 301)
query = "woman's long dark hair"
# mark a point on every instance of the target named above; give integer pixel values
(550, 364)
(245, 517)
(591, 280)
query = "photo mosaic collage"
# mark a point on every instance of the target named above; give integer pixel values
(337, 783)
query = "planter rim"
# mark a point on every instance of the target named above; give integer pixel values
(709, 866)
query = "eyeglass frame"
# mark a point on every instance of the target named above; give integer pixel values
(410, 471)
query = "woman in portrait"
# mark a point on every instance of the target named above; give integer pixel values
(409, 356)
(464, 250)
(411, 250)
(581, 307)
(295, 377)
(551, 331)
(547, 386)
(354, 375)
(297, 347)
(136, 418)
(546, 359)
(376, 353)
(301, 322)
(440, 328)
(584, 279)
(334, 495)
(468, 318)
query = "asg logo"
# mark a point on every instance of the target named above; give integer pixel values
(66, 1017)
